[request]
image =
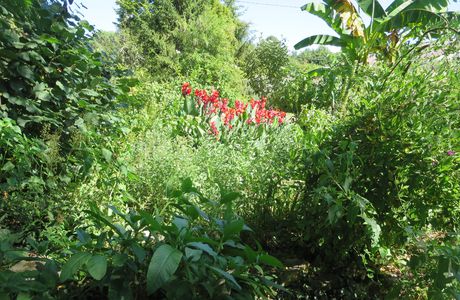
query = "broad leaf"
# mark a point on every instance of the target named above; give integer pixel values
(26, 72)
(321, 39)
(372, 8)
(162, 267)
(375, 228)
(8, 166)
(202, 246)
(398, 6)
(149, 220)
(270, 260)
(97, 266)
(187, 185)
(180, 223)
(99, 216)
(193, 254)
(227, 276)
(107, 154)
(233, 228)
(73, 264)
(229, 197)
(326, 13)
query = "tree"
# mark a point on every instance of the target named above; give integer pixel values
(319, 57)
(402, 23)
(264, 66)
(199, 40)
(388, 29)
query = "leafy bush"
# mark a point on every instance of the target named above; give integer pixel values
(56, 99)
(49, 76)
(193, 254)
(387, 169)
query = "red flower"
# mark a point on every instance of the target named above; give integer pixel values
(214, 128)
(212, 106)
(229, 116)
(240, 107)
(214, 97)
(186, 89)
(262, 103)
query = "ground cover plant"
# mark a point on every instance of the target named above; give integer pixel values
(178, 158)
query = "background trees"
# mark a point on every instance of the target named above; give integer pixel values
(199, 40)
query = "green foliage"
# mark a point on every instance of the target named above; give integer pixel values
(56, 98)
(386, 174)
(264, 66)
(357, 191)
(198, 40)
(193, 254)
(391, 28)
(49, 76)
(393, 33)
(292, 81)
(320, 57)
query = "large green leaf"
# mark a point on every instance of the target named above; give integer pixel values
(99, 216)
(394, 10)
(193, 254)
(162, 267)
(402, 12)
(107, 154)
(374, 227)
(270, 260)
(149, 220)
(26, 72)
(97, 266)
(227, 276)
(410, 16)
(372, 8)
(326, 13)
(398, 6)
(321, 39)
(202, 246)
(233, 228)
(73, 264)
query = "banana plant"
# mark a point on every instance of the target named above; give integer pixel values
(388, 28)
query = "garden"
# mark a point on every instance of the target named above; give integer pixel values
(182, 158)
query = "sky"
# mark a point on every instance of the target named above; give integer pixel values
(280, 18)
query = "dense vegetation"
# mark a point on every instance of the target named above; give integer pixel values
(178, 158)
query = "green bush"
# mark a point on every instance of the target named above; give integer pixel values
(387, 169)
(192, 250)
(56, 100)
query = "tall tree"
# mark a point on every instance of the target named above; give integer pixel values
(200, 40)
(388, 29)
(264, 66)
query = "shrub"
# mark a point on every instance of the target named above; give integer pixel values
(185, 253)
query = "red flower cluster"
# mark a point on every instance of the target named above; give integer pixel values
(212, 105)
(186, 89)
(264, 115)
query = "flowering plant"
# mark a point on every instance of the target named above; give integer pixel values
(220, 116)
